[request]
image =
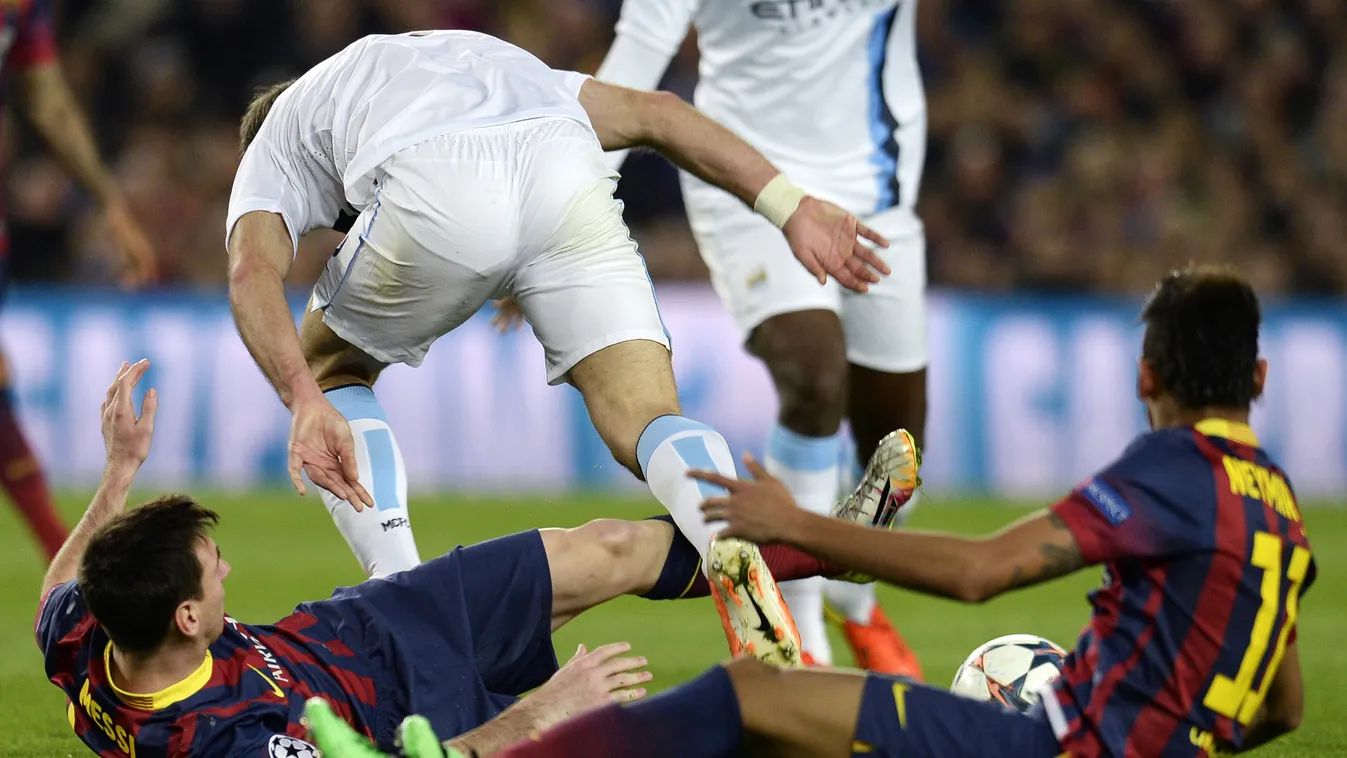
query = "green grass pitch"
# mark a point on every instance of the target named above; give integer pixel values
(285, 550)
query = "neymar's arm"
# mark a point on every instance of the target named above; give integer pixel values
(1035, 549)
(1284, 706)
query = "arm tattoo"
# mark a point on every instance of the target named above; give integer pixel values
(1056, 557)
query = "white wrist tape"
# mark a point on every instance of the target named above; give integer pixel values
(778, 200)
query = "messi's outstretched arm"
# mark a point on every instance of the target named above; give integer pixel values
(1034, 549)
(127, 439)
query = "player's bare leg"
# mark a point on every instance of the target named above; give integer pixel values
(633, 402)
(21, 475)
(603, 559)
(878, 402)
(381, 538)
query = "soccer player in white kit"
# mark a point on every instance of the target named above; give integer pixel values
(830, 91)
(465, 169)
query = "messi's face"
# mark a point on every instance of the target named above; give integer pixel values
(207, 613)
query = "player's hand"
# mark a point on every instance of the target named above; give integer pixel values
(760, 509)
(509, 316)
(827, 242)
(126, 436)
(321, 446)
(141, 265)
(591, 679)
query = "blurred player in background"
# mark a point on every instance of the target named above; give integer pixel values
(830, 91)
(1190, 651)
(133, 629)
(466, 170)
(28, 55)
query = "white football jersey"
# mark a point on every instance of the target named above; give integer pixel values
(828, 90)
(317, 154)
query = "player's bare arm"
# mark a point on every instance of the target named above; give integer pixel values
(50, 106)
(260, 256)
(1036, 549)
(825, 238)
(126, 437)
(591, 679)
(1284, 706)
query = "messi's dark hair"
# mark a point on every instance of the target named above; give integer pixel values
(141, 566)
(1202, 336)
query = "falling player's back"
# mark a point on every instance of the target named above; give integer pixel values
(1206, 561)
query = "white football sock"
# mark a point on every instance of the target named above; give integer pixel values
(381, 537)
(808, 468)
(855, 601)
(671, 446)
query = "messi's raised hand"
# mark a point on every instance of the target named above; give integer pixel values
(126, 434)
(321, 446)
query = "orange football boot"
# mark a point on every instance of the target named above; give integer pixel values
(879, 647)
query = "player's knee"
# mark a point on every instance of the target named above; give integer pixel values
(812, 392)
(610, 557)
(614, 537)
(806, 356)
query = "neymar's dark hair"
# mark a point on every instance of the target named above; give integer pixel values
(141, 566)
(1202, 337)
(257, 112)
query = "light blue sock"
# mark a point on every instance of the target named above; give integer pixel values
(670, 447)
(380, 537)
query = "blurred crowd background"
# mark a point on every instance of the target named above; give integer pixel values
(1075, 144)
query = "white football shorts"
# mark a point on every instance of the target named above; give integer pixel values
(757, 276)
(523, 209)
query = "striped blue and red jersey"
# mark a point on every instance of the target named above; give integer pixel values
(27, 39)
(1205, 560)
(244, 701)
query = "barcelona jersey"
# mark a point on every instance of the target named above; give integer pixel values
(457, 639)
(1205, 561)
(246, 698)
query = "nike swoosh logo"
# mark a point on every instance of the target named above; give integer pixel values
(274, 688)
(764, 625)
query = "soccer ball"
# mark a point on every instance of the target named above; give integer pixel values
(1009, 670)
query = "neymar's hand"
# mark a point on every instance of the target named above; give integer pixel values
(321, 446)
(759, 510)
(826, 240)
